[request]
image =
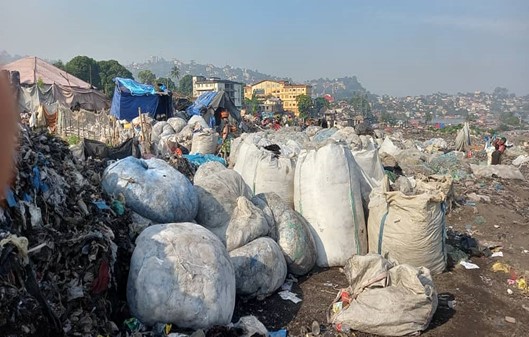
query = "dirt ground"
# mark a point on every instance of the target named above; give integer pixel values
(481, 297)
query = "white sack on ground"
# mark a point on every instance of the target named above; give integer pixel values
(159, 129)
(264, 171)
(269, 216)
(247, 223)
(327, 193)
(387, 300)
(520, 160)
(292, 233)
(389, 148)
(181, 274)
(502, 171)
(260, 268)
(217, 197)
(194, 120)
(409, 228)
(153, 189)
(177, 123)
(349, 137)
(205, 142)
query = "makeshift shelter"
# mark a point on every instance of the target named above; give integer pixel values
(130, 95)
(38, 82)
(209, 104)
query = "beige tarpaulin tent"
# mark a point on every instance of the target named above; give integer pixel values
(43, 83)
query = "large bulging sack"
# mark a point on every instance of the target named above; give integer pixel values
(409, 228)
(265, 171)
(197, 122)
(260, 268)
(153, 189)
(205, 142)
(327, 193)
(177, 123)
(181, 274)
(387, 300)
(247, 223)
(292, 234)
(159, 129)
(218, 192)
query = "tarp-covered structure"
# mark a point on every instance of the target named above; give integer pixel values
(130, 95)
(209, 104)
(38, 82)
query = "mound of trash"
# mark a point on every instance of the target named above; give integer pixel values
(64, 246)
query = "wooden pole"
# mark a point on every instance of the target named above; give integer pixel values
(145, 147)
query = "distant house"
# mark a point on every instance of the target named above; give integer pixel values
(283, 90)
(271, 104)
(233, 89)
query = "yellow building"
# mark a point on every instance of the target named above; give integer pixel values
(283, 90)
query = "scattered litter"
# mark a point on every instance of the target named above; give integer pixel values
(289, 282)
(278, 333)
(525, 307)
(511, 282)
(496, 226)
(497, 254)
(287, 295)
(510, 319)
(469, 265)
(499, 266)
(509, 291)
(521, 283)
(525, 251)
(315, 328)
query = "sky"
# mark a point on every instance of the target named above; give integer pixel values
(393, 47)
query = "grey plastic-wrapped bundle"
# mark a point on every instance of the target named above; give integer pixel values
(161, 129)
(260, 268)
(247, 223)
(386, 300)
(153, 189)
(181, 274)
(205, 142)
(292, 233)
(218, 191)
(177, 123)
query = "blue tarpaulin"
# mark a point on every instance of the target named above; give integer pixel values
(199, 159)
(202, 103)
(130, 95)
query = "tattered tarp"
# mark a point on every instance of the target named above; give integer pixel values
(130, 95)
(31, 97)
(207, 104)
(200, 159)
(99, 150)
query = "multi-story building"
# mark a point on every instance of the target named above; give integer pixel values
(234, 90)
(283, 90)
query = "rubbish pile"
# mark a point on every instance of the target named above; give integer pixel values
(63, 246)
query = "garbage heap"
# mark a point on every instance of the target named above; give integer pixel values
(61, 243)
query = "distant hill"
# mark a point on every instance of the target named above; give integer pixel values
(162, 68)
(339, 88)
(5, 57)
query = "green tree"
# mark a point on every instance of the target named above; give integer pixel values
(85, 68)
(59, 65)
(108, 70)
(320, 103)
(168, 83)
(305, 105)
(175, 72)
(186, 85)
(252, 104)
(147, 77)
(428, 116)
(361, 105)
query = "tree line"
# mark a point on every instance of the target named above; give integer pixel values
(100, 74)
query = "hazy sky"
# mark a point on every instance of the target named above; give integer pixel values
(394, 47)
